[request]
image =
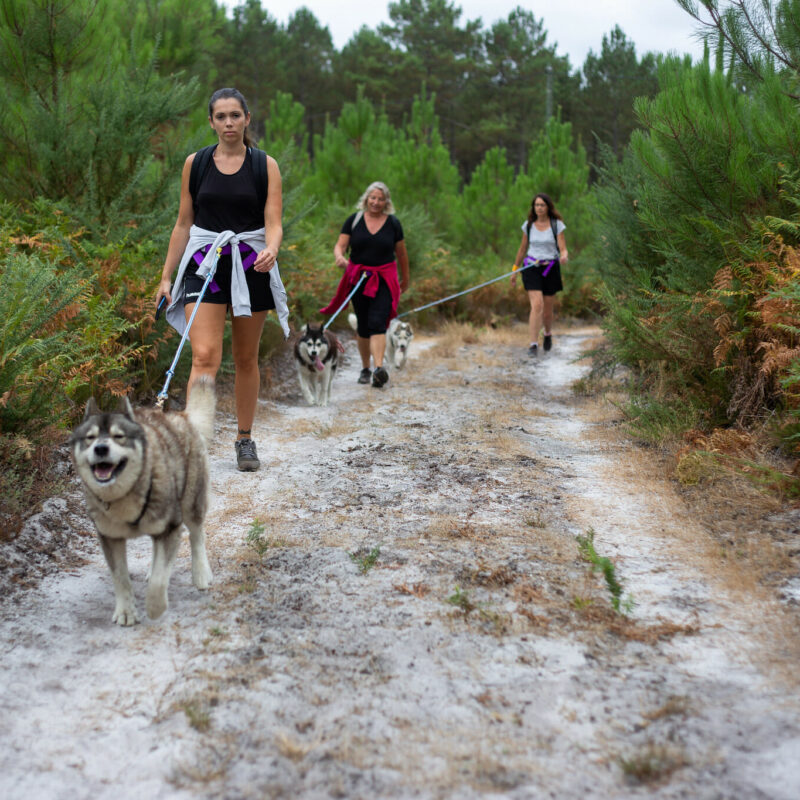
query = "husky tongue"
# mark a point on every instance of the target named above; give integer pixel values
(318, 364)
(103, 471)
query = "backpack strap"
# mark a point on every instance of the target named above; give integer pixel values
(202, 161)
(259, 158)
(553, 227)
(200, 165)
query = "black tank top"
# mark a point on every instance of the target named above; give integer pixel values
(229, 202)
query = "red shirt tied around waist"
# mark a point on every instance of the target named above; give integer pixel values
(352, 272)
(374, 237)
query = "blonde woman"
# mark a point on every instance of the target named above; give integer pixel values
(374, 237)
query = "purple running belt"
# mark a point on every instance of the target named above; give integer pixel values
(531, 261)
(248, 258)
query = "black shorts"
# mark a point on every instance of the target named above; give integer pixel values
(373, 313)
(533, 280)
(257, 283)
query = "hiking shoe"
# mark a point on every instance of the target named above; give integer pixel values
(379, 377)
(548, 342)
(365, 375)
(533, 351)
(246, 458)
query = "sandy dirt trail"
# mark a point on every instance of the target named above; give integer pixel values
(400, 610)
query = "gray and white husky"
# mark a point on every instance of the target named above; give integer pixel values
(398, 340)
(316, 355)
(145, 473)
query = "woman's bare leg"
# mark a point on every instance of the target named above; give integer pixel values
(206, 338)
(246, 339)
(536, 314)
(377, 347)
(363, 351)
(548, 313)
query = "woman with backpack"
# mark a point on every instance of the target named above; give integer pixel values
(374, 237)
(543, 249)
(230, 202)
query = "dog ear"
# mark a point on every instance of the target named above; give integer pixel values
(304, 330)
(91, 409)
(124, 407)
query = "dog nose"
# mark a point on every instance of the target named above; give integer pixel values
(101, 450)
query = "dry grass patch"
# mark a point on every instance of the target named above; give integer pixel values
(508, 336)
(452, 337)
(652, 764)
(675, 705)
(450, 527)
(418, 590)
(294, 749)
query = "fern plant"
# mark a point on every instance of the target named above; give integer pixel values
(35, 354)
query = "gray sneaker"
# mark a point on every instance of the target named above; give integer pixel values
(365, 375)
(246, 458)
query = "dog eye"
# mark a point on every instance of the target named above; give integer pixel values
(90, 437)
(118, 437)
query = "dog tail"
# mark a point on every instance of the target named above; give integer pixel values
(351, 318)
(202, 405)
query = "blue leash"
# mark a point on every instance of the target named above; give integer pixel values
(344, 305)
(162, 395)
(480, 286)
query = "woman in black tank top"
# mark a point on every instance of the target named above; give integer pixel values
(228, 198)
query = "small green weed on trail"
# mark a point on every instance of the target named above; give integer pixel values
(365, 562)
(606, 566)
(197, 716)
(257, 540)
(461, 600)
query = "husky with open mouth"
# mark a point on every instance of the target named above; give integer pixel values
(398, 340)
(145, 473)
(316, 355)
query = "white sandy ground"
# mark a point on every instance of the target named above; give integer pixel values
(478, 657)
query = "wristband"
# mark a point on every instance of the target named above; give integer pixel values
(515, 268)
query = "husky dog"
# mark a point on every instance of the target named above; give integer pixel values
(398, 340)
(145, 473)
(316, 354)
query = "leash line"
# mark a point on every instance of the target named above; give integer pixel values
(162, 395)
(474, 288)
(344, 305)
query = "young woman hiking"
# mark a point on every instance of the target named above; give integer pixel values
(230, 198)
(543, 247)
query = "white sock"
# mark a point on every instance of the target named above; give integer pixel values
(534, 344)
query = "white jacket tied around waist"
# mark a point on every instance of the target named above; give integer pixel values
(240, 295)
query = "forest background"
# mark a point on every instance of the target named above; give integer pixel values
(679, 183)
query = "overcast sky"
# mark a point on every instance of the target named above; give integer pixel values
(576, 26)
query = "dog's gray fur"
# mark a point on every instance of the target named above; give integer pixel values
(316, 355)
(145, 473)
(398, 340)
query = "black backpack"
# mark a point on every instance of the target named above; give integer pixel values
(202, 161)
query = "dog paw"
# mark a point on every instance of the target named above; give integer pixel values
(156, 602)
(125, 616)
(201, 575)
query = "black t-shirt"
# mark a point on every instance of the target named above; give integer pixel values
(229, 202)
(373, 250)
